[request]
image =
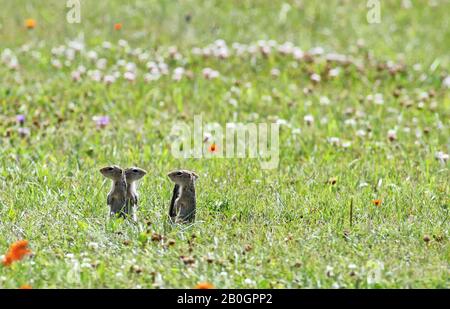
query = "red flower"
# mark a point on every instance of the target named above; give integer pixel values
(212, 148)
(30, 23)
(16, 252)
(204, 286)
(117, 26)
(376, 202)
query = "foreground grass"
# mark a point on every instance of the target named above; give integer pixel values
(288, 227)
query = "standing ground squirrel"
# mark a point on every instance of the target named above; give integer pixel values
(116, 199)
(182, 206)
(132, 175)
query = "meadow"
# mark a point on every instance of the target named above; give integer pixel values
(359, 199)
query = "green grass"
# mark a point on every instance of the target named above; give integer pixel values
(281, 228)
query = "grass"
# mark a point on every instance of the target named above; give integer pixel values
(281, 228)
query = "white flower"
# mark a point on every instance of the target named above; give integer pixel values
(315, 77)
(56, 63)
(441, 156)
(360, 133)
(378, 99)
(130, 67)
(178, 73)
(275, 72)
(109, 79)
(335, 141)
(101, 63)
(298, 54)
(309, 119)
(129, 76)
(209, 73)
(81, 69)
(106, 45)
(151, 77)
(123, 43)
(92, 55)
(76, 76)
(334, 72)
(324, 100)
(316, 51)
(346, 144)
(95, 75)
(249, 281)
(446, 82)
(392, 135)
(329, 271)
(350, 122)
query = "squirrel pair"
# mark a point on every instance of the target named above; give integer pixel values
(123, 197)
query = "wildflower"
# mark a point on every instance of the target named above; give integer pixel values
(101, 63)
(95, 75)
(117, 26)
(324, 100)
(25, 287)
(360, 133)
(30, 23)
(129, 76)
(329, 271)
(101, 121)
(335, 141)
(334, 72)
(178, 73)
(24, 132)
(376, 202)
(392, 135)
(309, 119)
(249, 281)
(209, 73)
(441, 156)
(446, 82)
(151, 77)
(16, 252)
(109, 79)
(212, 148)
(20, 119)
(275, 72)
(204, 286)
(76, 76)
(315, 77)
(92, 55)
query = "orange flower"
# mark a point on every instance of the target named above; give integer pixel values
(25, 287)
(204, 286)
(117, 26)
(212, 148)
(16, 252)
(30, 23)
(376, 202)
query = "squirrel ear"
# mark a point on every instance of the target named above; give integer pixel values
(195, 176)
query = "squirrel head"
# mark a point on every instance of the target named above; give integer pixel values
(182, 177)
(113, 172)
(134, 173)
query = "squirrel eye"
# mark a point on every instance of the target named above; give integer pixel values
(135, 171)
(110, 168)
(179, 173)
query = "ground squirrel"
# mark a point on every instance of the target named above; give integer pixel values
(182, 206)
(132, 175)
(116, 199)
